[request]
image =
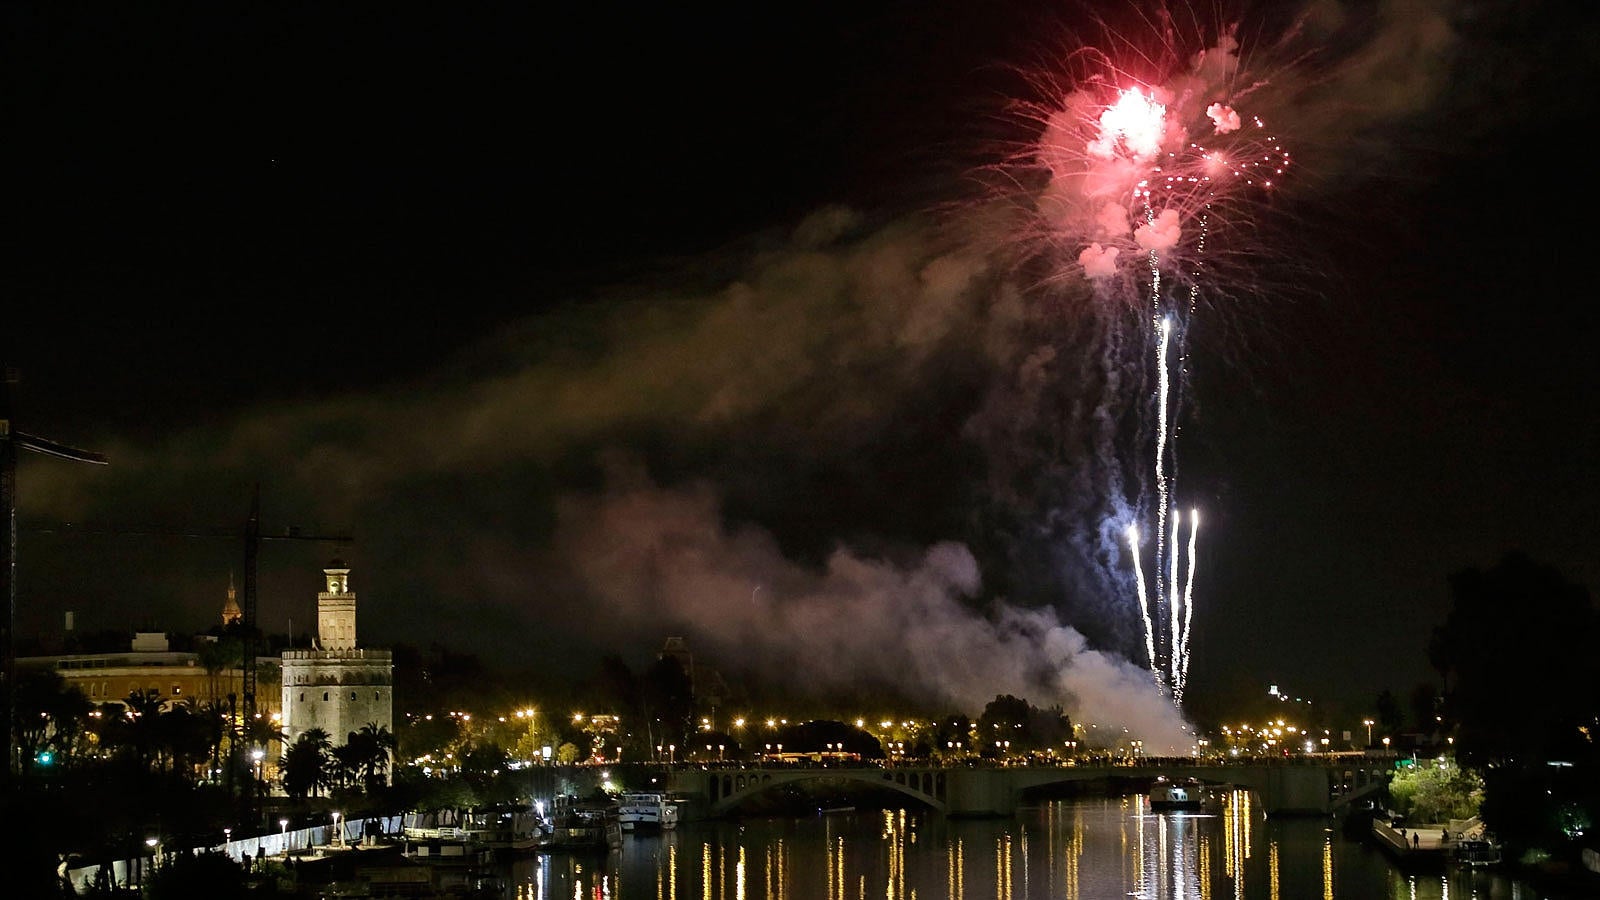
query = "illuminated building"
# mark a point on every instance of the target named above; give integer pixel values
(337, 686)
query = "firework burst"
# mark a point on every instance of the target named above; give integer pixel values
(1144, 178)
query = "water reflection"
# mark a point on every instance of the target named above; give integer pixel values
(1069, 850)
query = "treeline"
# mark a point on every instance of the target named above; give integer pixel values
(1518, 702)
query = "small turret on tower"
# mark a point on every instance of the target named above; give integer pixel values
(336, 610)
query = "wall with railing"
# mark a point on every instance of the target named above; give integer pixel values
(273, 845)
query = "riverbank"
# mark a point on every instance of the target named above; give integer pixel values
(1413, 847)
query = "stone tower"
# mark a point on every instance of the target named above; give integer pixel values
(337, 686)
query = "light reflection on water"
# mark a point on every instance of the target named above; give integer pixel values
(1068, 850)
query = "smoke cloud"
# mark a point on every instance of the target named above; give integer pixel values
(664, 556)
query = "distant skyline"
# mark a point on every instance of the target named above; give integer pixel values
(591, 332)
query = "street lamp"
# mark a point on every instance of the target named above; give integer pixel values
(1369, 723)
(283, 836)
(338, 832)
(256, 755)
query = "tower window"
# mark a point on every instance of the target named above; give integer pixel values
(352, 695)
(324, 695)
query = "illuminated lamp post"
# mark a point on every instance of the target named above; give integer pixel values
(257, 754)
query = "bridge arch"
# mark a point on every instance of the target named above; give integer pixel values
(727, 790)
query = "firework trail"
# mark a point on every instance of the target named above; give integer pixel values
(1144, 603)
(1147, 168)
(1188, 599)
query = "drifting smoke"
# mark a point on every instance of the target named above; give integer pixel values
(657, 556)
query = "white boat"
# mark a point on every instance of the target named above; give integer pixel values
(444, 846)
(1165, 794)
(647, 811)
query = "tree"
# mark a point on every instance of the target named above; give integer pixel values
(1024, 726)
(306, 764)
(372, 746)
(482, 767)
(1436, 792)
(49, 717)
(530, 742)
(218, 656)
(346, 764)
(1517, 655)
(132, 732)
(952, 737)
(185, 739)
(815, 736)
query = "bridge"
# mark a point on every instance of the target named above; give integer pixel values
(1299, 787)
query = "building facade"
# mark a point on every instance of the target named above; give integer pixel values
(338, 686)
(150, 666)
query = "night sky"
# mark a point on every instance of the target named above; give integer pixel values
(594, 327)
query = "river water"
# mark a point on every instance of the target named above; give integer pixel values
(1062, 850)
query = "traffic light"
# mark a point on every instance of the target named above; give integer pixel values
(45, 758)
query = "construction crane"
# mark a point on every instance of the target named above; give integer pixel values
(252, 548)
(252, 536)
(12, 440)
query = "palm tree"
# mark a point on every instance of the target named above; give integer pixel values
(374, 745)
(217, 657)
(347, 764)
(185, 736)
(261, 734)
(306, 764)
(140, 728)
(214, 715)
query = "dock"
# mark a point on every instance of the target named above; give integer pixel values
(1423, 845)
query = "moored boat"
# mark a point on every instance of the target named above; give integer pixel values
(646, 811)
(1479, 851)
(509, 832)
(1170, 795)
(579, 825)
(445, 846)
